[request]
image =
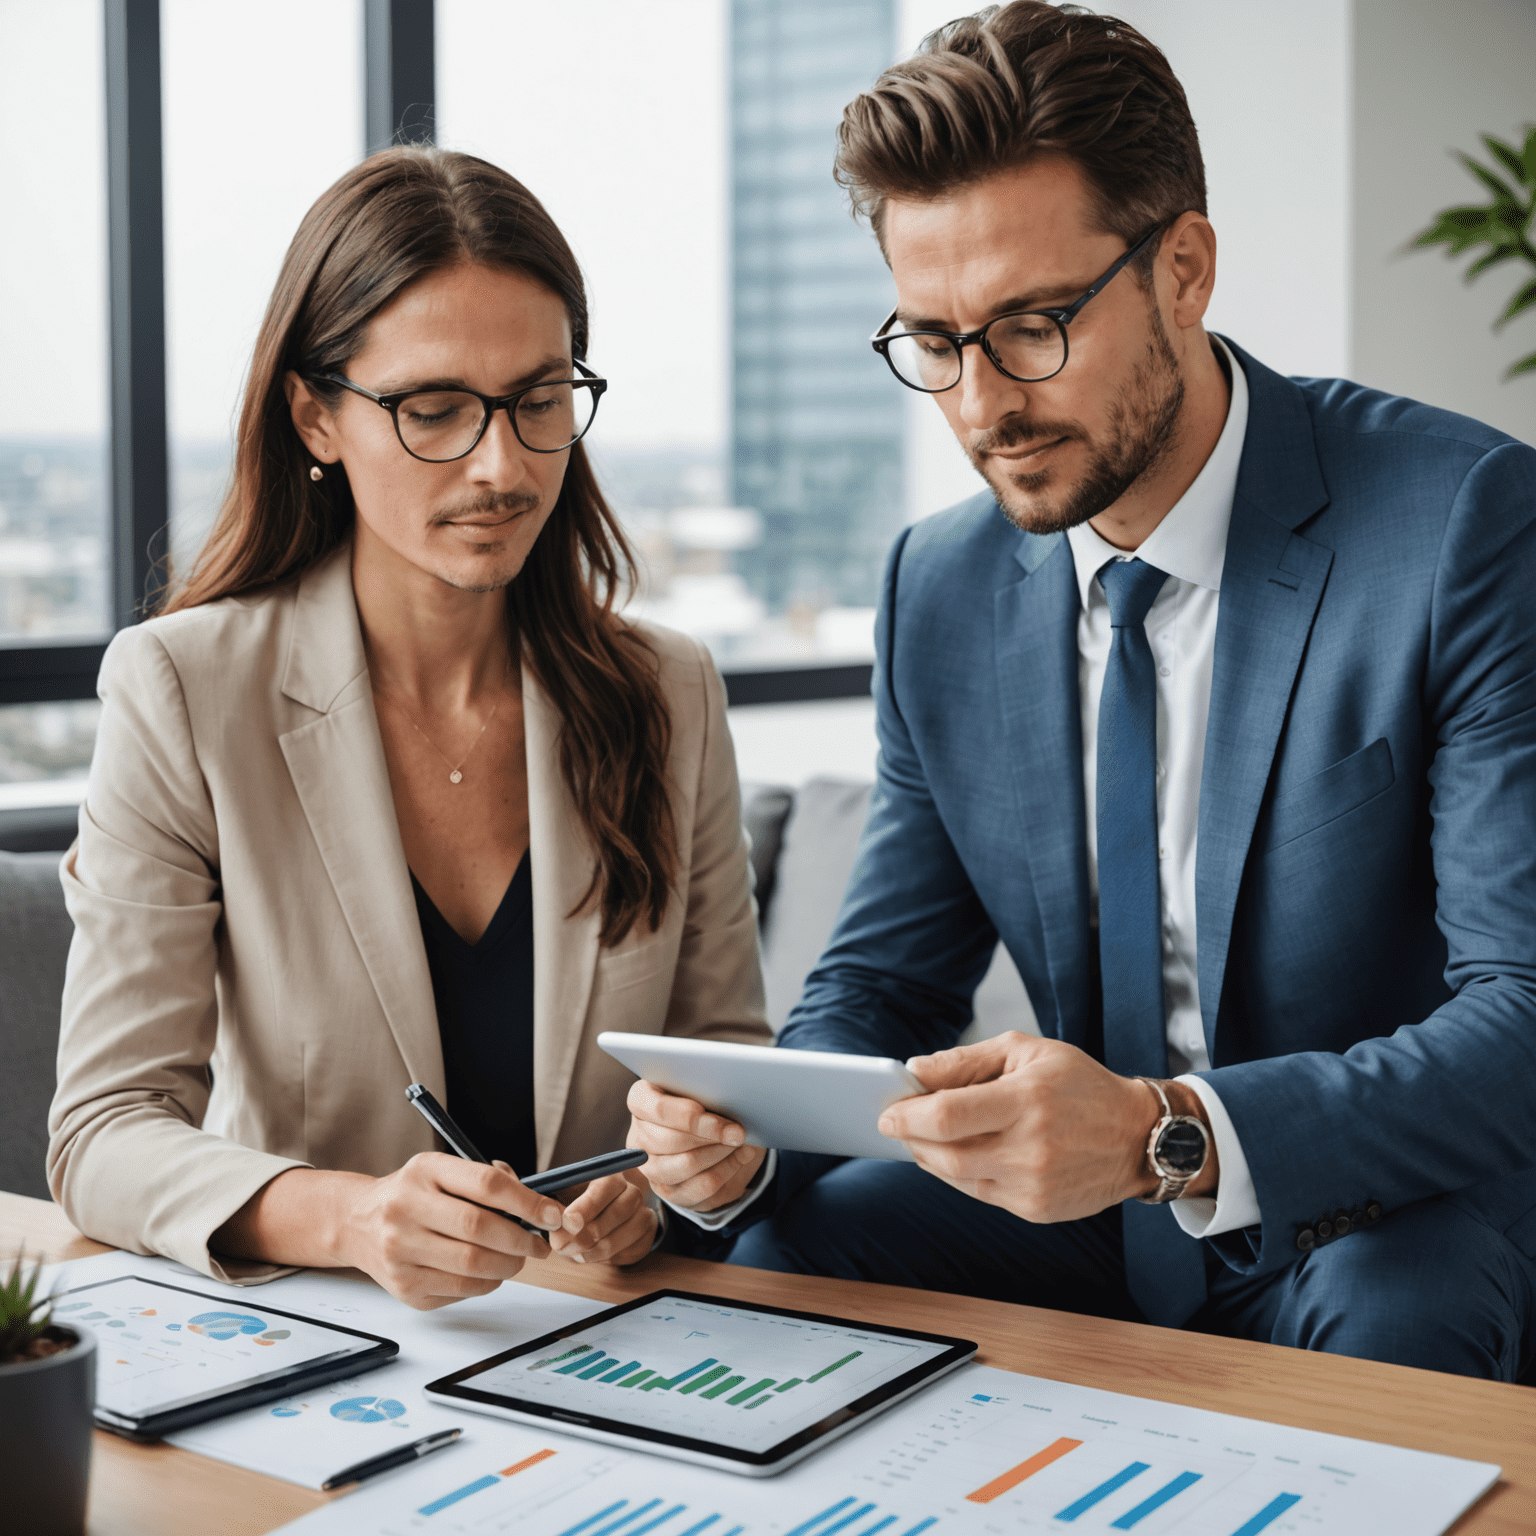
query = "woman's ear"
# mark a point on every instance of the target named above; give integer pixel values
(311, 419)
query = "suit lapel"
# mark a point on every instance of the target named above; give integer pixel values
(338, 769)
(1271, 586)
(1035, 626)
(564, 947)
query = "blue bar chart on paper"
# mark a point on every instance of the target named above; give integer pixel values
(982, 1453)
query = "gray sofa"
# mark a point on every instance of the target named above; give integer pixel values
(802, 851)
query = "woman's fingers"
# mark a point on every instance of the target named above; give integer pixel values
(608, 1206)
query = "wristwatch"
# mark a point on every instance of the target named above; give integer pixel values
(1176, 1150)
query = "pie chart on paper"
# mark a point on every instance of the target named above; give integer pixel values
(367, 1410)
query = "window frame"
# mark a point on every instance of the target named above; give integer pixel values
(399, 71)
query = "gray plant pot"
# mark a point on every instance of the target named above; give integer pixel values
(45, 1439)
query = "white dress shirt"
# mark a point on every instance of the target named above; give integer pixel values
(1190, 544)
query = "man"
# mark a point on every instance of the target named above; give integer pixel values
(1219, 707)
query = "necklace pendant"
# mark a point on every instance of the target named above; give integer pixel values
(455, 777)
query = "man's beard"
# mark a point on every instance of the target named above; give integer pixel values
(1143, 428)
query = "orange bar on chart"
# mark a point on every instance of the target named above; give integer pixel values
(1016, 1475)
(526, 1462)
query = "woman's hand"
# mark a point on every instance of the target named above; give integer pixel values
(609, 1222)
(697, 1158)
(419, 1232)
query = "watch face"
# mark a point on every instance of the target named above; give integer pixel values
(1181, 1149)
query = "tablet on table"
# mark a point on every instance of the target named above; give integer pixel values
(168, 1357)
(743, 1387)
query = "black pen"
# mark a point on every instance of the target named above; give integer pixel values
(396, 1458)
(540, 1183)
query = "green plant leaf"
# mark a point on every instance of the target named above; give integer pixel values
(1523, 300)
(1525, 365)
(1494, 258)
(1528, 154)
(1502, 192)
(1508, 157)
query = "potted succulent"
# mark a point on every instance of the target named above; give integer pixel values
(47, 1393)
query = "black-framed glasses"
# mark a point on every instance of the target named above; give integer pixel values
(1028, 347)
(441, 425)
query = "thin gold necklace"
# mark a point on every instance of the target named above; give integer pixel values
(455, 769)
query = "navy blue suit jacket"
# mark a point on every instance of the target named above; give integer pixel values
(1366, 867)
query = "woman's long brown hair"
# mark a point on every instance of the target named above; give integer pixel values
(393, 219)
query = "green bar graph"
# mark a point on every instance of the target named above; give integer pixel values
(784, 1386)
(752, 1391)
(704, 1380)
(759, 1403)
(827, 1370)
(720, 1388)
(635, 1380)
(580, 1349)
(597, 1367)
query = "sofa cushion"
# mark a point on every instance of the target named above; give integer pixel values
(820, 840)
(764, 810)
(35, 931)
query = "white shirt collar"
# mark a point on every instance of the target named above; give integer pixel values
(1191, 541)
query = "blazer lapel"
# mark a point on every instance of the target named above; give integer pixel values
(1271, 586)
(338, 768)
(1035, 621)
(564, 946)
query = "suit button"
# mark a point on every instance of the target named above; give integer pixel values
(1306, 1239)
(1341, 1224)
(1324, 1230)
(1373, 1212)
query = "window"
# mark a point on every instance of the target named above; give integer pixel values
(55, 552)
(262, 111)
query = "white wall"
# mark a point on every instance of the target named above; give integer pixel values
(1429, 78)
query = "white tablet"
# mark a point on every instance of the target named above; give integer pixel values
(798, 1101)
(730, 1384)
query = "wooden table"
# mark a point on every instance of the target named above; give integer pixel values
(158, 1490)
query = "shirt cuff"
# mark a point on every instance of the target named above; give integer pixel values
(712, 1221)
(1236, 1205)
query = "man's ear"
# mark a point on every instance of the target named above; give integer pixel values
(1187, 268)
(312, 420)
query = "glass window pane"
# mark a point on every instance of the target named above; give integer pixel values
(46, 742)
(263, 111)
(54, 550)
(695, 209)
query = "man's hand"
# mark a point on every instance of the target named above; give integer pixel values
(608, 1222)
(697, 1159)
(1035, 1126)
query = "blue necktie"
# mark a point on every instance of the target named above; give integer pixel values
(1130, 910)
(1164, 1269)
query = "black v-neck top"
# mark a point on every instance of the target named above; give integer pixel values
(484, 995)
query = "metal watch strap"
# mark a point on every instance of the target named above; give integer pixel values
(1169, 1187)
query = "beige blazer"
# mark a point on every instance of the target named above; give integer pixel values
(243, 910)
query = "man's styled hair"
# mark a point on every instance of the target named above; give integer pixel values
(991, 91)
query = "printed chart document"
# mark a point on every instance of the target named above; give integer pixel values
(981, 1453)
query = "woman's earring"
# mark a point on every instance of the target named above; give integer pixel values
(316, 473)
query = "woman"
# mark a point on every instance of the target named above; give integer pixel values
(389, 793)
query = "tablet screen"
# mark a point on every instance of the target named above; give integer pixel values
(706, 1370)
(159, 1347)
